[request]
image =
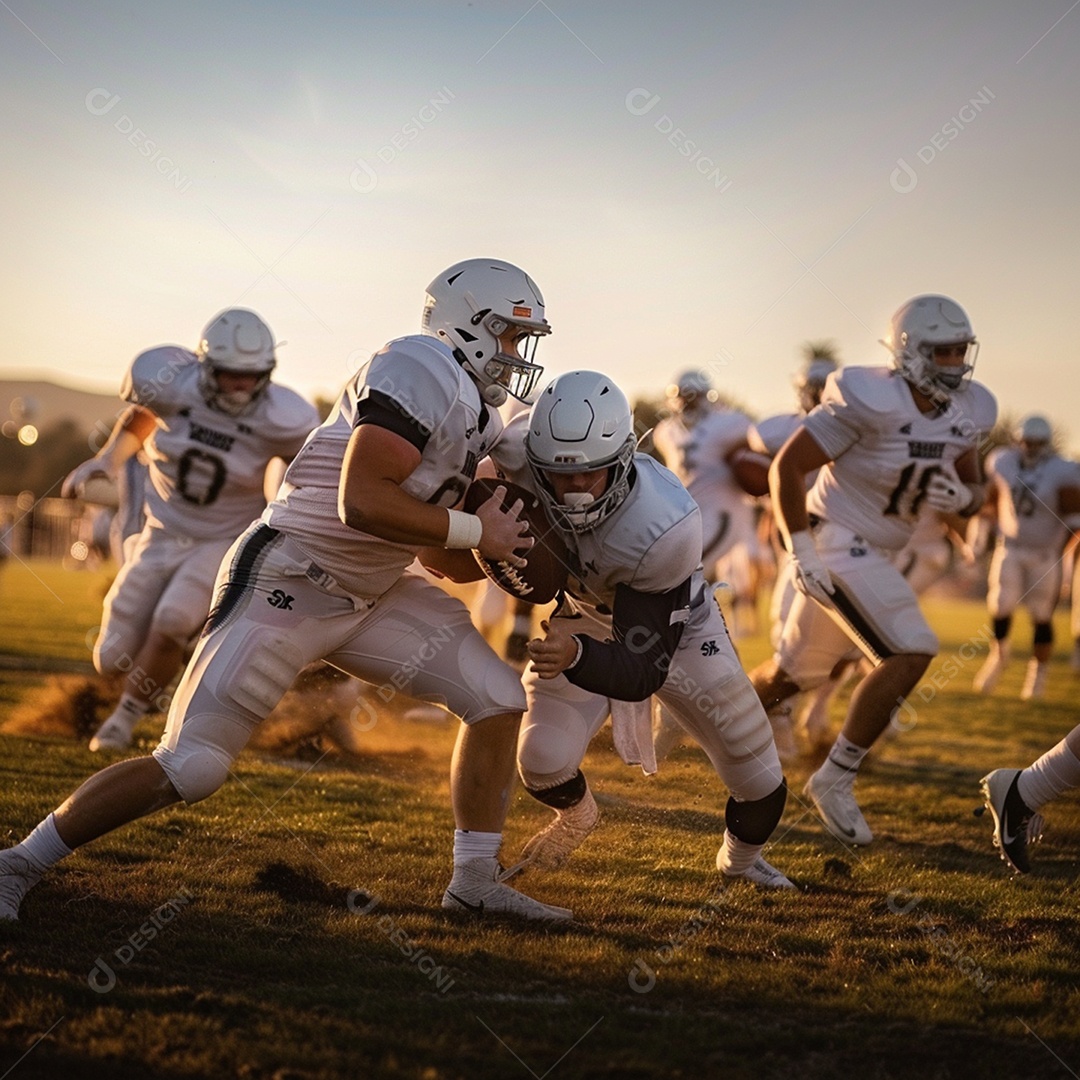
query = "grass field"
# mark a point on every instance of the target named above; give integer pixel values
(289, 927)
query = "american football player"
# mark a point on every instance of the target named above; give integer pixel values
(209, 422)
(887, 440)
(1033, 499)
(322, 576)
(1015, 798)
(637, 618)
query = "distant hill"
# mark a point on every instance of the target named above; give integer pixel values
(71, 425)
(50, 402)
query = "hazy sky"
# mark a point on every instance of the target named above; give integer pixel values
(690, 183)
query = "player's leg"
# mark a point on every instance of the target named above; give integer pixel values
(559, 723)
(178, 615)
(713, 700)
(419, 640)
(1015, 797)
(1043, 581)
(881, 613)
(242, 666)
(1004, 593)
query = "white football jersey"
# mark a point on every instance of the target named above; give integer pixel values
(206, 468)
(695, 453)
(885, 451)
(418, 376)
(1028, 514)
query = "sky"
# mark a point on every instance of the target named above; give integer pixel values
(691, 184)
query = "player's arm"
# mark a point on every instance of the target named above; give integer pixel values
(647, 629)
(797, 458)
(371, 499)
(132, 428)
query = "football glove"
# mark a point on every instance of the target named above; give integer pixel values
(811, 574)
(948, 494)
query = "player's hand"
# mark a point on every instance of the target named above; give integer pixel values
(505, 537)
(74, 481)
(555, 652)
(811, 574)
(948, 494)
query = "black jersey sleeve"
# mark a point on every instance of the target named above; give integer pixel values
(647, 629)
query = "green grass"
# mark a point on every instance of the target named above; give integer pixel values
(920, 956)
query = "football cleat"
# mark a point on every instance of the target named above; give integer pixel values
(477, 889)
(114, 734)
(559, 839)
(762, 874)
(1016, 825)
(839, 810)
(17, 877)
(1034, 681)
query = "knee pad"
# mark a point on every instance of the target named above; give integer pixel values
(563, 795)
(198, 774)
(753, 822)
(1044, 633)
(547, 757)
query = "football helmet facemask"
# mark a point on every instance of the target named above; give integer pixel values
(236, 341)
(580, 423)
(475, 303)
(921, 326)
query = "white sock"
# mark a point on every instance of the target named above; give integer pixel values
(469, 844)
(1056, 772)
(736, 856)
(43, 847)
(130, 709)
(843, 761)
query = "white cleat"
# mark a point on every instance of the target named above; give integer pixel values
(114, 734)
(839, 810)
(987, 676)
(1034, 681)
(559, 839)
(762, 874)
(17, 877)
(477, 889)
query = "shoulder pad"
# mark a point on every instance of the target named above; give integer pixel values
(151, 380)
(875, 389)
(978, 405)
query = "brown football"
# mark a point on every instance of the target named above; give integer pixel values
(543, 577)
(751, 471)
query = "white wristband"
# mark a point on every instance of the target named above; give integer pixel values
(464, 530)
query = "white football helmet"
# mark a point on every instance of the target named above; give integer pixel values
(581, 422)
(1035, 437)
(919, 327)
(235, 340)
(810, 382)
(474, 303)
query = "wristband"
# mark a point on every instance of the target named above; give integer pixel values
(464, 530)
(577, 656)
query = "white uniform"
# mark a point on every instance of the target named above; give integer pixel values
(864, 506)
(301, 586)
(637, 585)
(1026, 566)
(695, 452)
(205, 486)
